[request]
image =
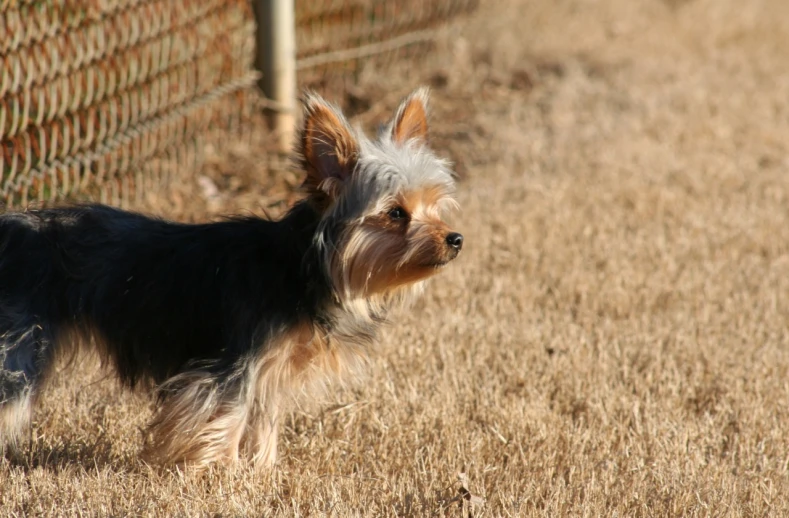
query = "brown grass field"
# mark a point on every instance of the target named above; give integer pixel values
(614, 340)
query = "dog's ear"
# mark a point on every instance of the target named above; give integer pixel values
(410, 119)
(327, 146)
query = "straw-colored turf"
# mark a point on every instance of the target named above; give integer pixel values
(614, 339)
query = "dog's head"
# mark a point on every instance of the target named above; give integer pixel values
(382, 201)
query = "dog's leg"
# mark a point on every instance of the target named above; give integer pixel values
(262, 436)
(202, 420)
(207, 418)
(205, 422)
(25, 354)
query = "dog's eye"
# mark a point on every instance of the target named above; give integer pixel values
(398, 213)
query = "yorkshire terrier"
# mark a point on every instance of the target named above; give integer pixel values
(229, 319)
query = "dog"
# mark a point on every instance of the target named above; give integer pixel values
(228, 320)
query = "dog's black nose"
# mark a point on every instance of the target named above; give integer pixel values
(455, 240)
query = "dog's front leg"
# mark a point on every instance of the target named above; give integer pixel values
(203, 419)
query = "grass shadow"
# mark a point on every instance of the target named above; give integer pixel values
(40, 453)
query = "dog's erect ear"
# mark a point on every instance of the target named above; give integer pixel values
(327, 146)
(410, 120)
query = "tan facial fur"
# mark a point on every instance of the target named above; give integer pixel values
(384, 254)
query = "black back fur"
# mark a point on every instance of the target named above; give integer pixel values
(162, 296)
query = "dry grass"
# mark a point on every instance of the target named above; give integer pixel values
(614, 341)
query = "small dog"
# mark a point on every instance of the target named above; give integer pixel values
(229, 319)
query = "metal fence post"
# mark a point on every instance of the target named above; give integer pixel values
(276, 60)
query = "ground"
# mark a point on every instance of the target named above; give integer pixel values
(614, 338)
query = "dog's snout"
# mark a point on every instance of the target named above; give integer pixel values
(455, 240)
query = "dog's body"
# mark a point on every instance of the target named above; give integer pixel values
(165, 294)
(227, 319)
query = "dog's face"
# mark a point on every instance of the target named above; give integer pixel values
(382, 201)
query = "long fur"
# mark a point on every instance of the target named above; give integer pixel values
(227, 320)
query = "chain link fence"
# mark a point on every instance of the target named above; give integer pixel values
(341, 34)
(108, 99)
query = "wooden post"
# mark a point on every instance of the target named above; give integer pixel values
(276, 60)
